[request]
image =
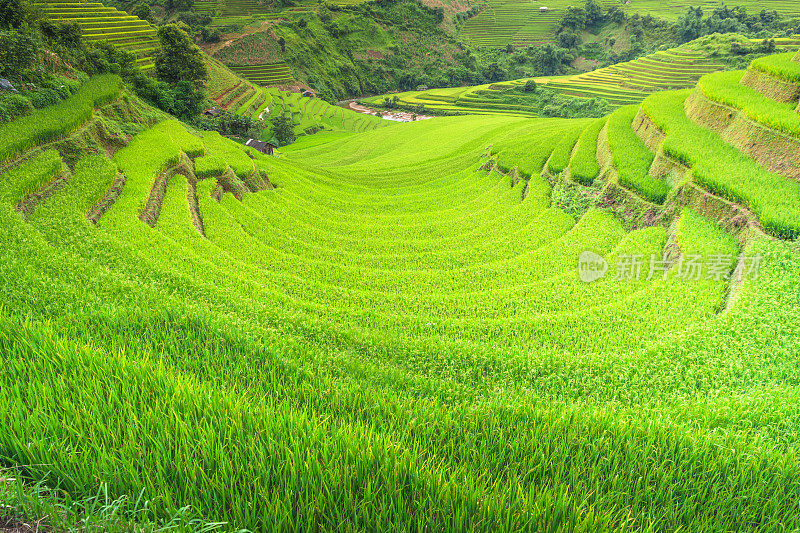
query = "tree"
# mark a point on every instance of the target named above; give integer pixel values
(18, 51)
(691, 25)
(530, 86)
(282, 44)
(616, 15)
(549, 59)
(15, 13)
(283, 129)
(179, 59)
(568, 39)
(143, 11)
(594, 13)
(575, 18)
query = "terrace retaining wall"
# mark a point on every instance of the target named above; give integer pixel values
(773, 150)
(771, 86)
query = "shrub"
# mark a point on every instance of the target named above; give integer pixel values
(13, 106)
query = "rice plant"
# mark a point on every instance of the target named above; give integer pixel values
(632, 158)
(56, 121)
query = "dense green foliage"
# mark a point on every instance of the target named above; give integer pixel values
(632, 158)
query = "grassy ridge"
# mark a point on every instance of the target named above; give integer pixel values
(725, 88)
(54, 122)
(584, 165)
(19, 182)
(632, 158)
(724, 170)
(780, 65)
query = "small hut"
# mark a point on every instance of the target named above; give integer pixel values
(262, 146)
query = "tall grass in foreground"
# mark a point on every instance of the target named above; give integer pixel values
(584, 165)
(723, 169)
(632, 157)
(56, 121)
(28, 177)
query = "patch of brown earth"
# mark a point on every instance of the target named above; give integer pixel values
(9, 524)
(96, 212)
(775, 151)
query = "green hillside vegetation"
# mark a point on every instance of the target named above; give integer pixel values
(256, 106)
(387, 327)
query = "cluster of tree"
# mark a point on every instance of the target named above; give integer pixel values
(724, 19)
(230, 124)
(25, 38)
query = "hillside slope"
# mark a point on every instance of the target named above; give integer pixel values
(394, 331)
(100, 23)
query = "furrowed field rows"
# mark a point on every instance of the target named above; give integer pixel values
(397, 337)
(101, 23)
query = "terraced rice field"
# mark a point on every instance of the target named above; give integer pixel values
(265, 75)
(101, 23)
(621, 84)
(228, 9)
(240, 96)
(630, 82)
(523, 23)
(392, 331)
(520, 22)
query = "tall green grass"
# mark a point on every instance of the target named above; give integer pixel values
(774, 199)
(584, 165)
(563, 151)
(56, 121)
(392, 340)
(28, 177)
(632, 158)
(209, 166)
